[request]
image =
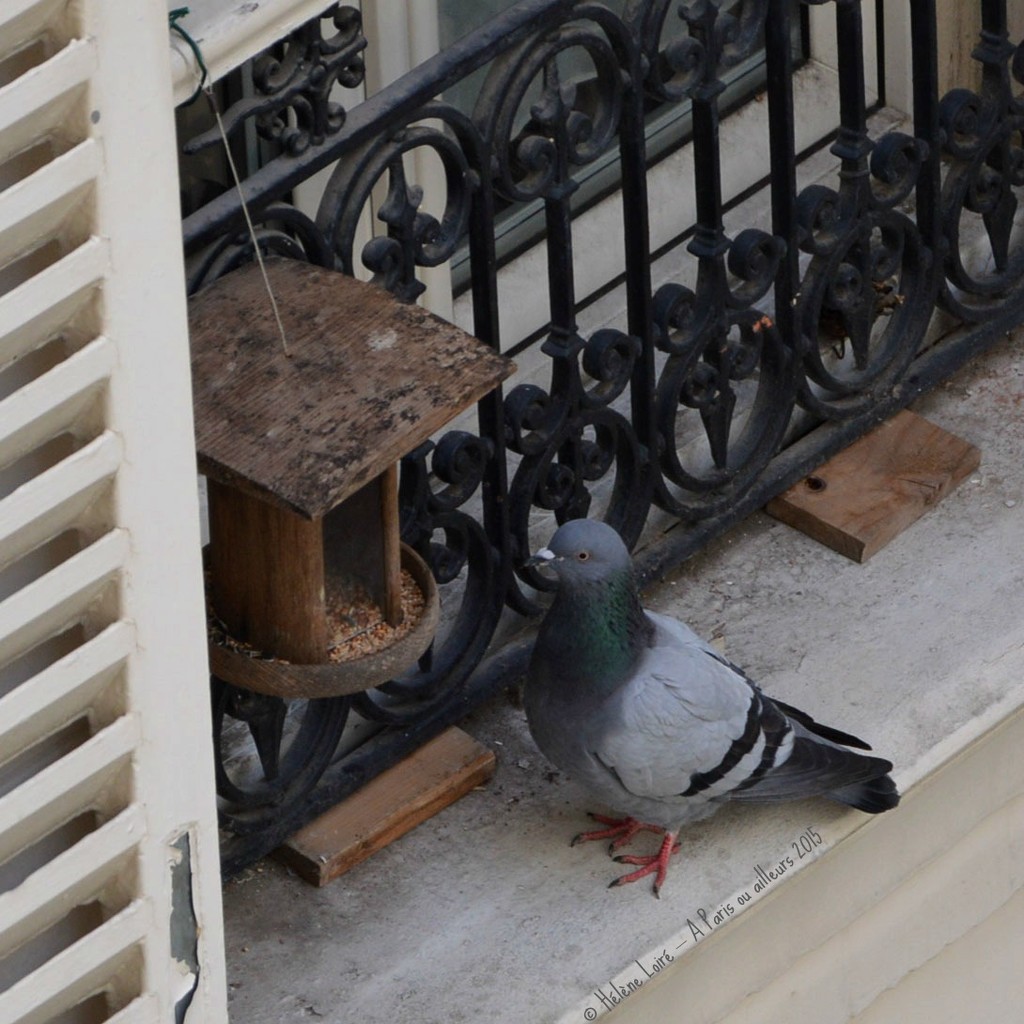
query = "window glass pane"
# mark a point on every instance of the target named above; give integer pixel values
(457, 17)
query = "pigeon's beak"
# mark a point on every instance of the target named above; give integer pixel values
(541, 557)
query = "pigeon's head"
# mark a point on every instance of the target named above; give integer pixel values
(584, 549)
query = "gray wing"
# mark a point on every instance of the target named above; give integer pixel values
(688, 723)
(815, 767)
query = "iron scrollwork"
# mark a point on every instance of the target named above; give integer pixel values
(290, 744)
(280, 230)
(727, 362)
(463, 560)
(292, 104)
(983, 133)
(574, 442)
(414, 237)
(867, 292)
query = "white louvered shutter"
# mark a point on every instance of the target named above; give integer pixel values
(109, 883)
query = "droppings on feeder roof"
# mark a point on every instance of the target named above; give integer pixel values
(369, 378)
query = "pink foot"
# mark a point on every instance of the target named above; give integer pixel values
(649, 864)
(619, 830)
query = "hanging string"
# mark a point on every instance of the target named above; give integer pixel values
(203, 87)
(248, 220)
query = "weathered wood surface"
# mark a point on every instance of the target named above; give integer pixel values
(858, 501)
(267, 575)
(369, 378)
(387, 807)
(362, 546)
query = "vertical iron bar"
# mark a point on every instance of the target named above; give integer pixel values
(563, 342)
(490, 409)
(709, 236)
(636, 245)
(993, 16)
(994, 50)
(782, 160)
(558, 223)
(709, 243)
(880, 83)
(561, 276)
(924, 48)
(707, 173)
(851, 145)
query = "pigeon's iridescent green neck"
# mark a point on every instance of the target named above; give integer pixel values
(596, 632)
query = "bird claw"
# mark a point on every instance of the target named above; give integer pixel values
(616, 882)
(619, 830)
(656, 864)
(644, 860)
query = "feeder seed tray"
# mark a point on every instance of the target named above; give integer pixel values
(352, 670)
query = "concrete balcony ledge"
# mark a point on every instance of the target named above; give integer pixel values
(485, 913)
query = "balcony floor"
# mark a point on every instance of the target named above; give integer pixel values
(485, 913)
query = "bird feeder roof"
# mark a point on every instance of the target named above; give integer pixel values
(368, 379)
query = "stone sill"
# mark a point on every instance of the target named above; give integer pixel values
(847, 937)
(486, 913)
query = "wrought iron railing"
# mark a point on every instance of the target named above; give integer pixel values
(717, 395)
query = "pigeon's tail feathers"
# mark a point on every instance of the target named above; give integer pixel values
(873, 796)
(826, 732)
(815, 767)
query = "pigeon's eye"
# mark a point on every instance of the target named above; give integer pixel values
(583, 555)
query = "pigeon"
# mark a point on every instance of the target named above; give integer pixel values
(655, 723)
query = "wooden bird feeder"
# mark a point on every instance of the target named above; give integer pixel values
(300, 451)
